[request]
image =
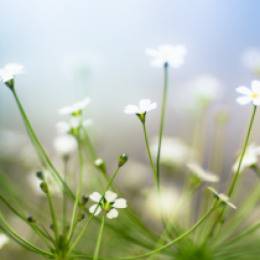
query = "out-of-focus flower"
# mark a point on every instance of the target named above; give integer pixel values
(65, 145)
(201, 174)
(251, 60)
(10, 70)
(65, 127)
(222, 198)
(250, 158)
(3, 240)
(174, 152)
(75, 109)
(167, 54)
(108, 204)
(251, 95)
(35, 182)
(144, 106)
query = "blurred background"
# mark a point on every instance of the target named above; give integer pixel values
(74, 49)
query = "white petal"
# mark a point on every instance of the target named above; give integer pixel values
(257, 150)
(80, 105)
(256, 101)
(244, 90)
(113, 213)
(175, 62)
(7, 76)
(65, 110)
(95, 196)
(131, 109)
(3, 240)
(110, 196)
(144, 103)
(151, 107)
(231, 205)
(14, 68)
(120, 203)
(151, 52)
(92, 209)
(255, 86)
(243, 100)
(158, 63)
(75, 121)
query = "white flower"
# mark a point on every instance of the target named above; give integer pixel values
(75, 109)
(3, 240)
(65, 144)
(201, 174)
(108, 204)
(252, 95)
(222, 198)
(10, 70)
(250, 158)
(65, 127)
(167, 54)
(144, 106)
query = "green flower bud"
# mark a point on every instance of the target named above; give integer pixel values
(44, 187)
(10, 83)
(81, 217)
(84, 200)
(122, 159)
(31, 219)
(39, 174)
(100, 164)
(142, 117)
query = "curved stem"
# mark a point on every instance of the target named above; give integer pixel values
(99, 238)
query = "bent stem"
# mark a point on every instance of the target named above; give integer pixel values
(99, 238)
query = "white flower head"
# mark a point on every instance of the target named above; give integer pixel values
(65, 145)
(3, 240)
(201, 174)
(72, 127)
(222, 198)
(75, 109)
(9, 71)
(144, 106)
(251, 95)
(108, 204)
(250, 158)
(167, 54)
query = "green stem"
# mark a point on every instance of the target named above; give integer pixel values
(90, 146)
(162, 123)
(163, 247)
(64, 208)
(92, 215)
(99, 237)
(256, 170)
(149, 152)
(73, 220)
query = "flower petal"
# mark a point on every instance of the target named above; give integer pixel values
(256, 101)
(120, 203)
(95, 196)
(131, 109)
(151, 52)
(151, 107)
(157, 62)
(113, 213)
(144, 103)
(92, 209)
(63, 127)
(243, 100)
(244, 90)
(110, 196)
(255, 86)
(65, 110)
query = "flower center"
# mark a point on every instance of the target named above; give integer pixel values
(254, 95)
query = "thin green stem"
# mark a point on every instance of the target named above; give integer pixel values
(90, 146)
(149, 152)
(92, 215)
(99, 237)
(64, 208)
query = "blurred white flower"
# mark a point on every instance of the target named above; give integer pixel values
(222, 198)
(251, 60)
(65, 127)
(251, 95)
(144, 106)
(250, 158)
(167, 54)
(75, 109)
(201, 174)
(65, 145)
(174, 152)
(10, 70)
(108, 204)
(3, 240)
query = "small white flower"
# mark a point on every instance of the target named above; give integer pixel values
(144, 106)
(251, 95)
(10, 70)
(108, 204)
(65, 145)
(222, 198)
(167, 54)
(201, 174)
(75, 109)
(3, 240)
(250, 158)
(65, 127)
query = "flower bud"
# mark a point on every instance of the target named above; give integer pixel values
(39, 174)
(31, 219)
(122, 159)
(84, 200)
(142, 117)
(44, 187)
(10, 83)
(100, 164)
(81, 217)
